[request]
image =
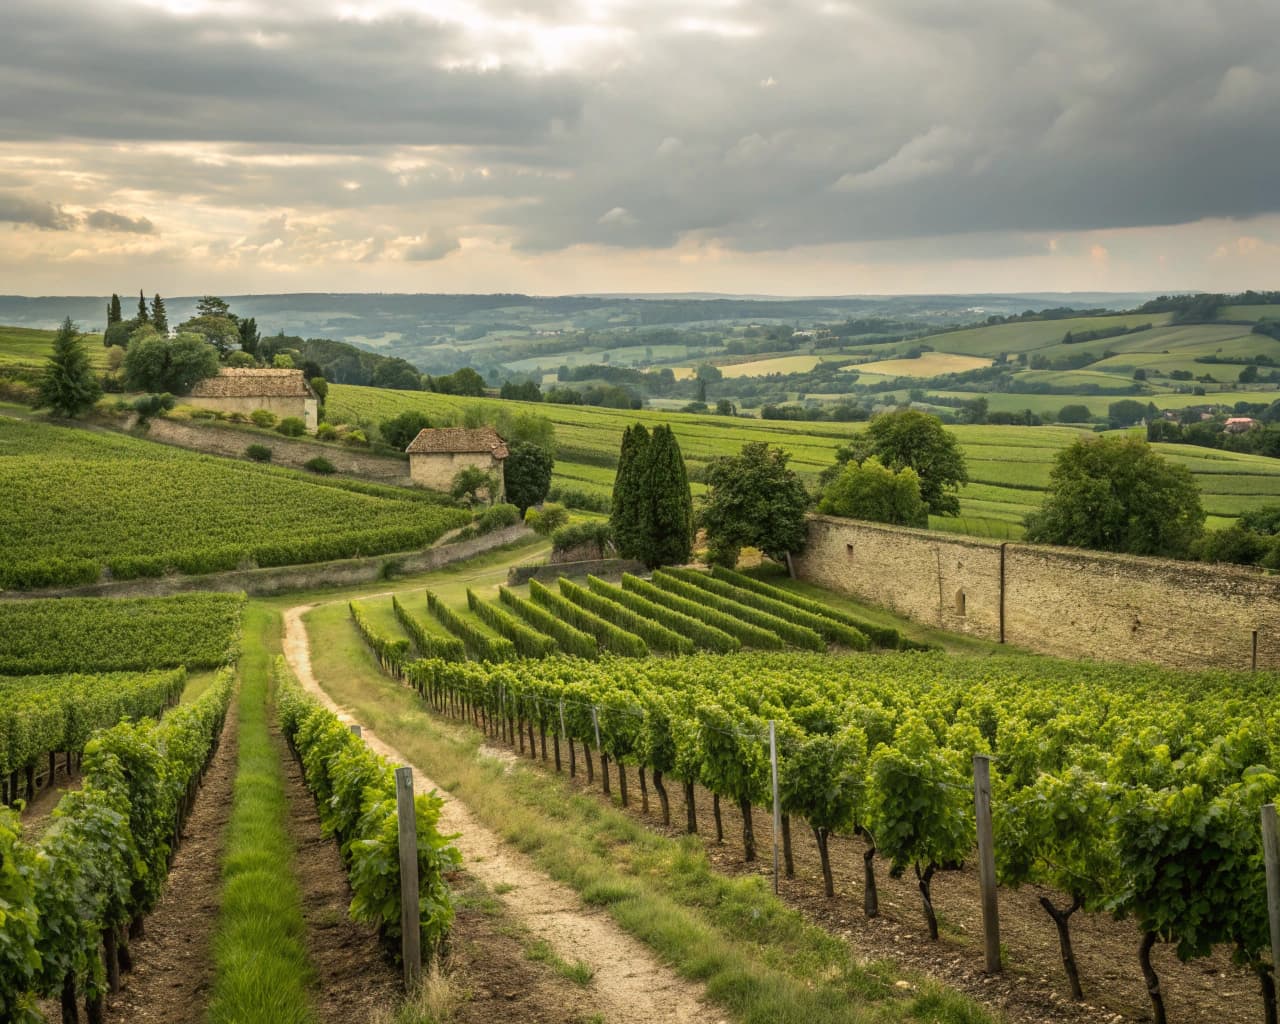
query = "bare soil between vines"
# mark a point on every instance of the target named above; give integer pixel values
(173, 961)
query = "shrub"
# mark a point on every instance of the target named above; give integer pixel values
(320, 465)
(263, 418)
(258, 453)
(546, 520)
(497, 517)
(153, 405)
(292, 426)
(356, 439)
(326, 432)
(578, 534)
(587, 501)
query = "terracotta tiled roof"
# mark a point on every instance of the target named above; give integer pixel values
(245, 383)
(444, 440)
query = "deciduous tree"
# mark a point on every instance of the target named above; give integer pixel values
(753, 500)
(872, 491)
(1117, 494)
(158, 364)
(527, 474)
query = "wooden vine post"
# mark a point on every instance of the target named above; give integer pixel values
(410, 925)
(986, 861)
(1271, 854)
(777, 806)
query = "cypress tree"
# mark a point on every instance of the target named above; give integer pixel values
(667, 505)
(628, 497)
(143, 317)
(159, 318)
(114, 315)
(68, 385)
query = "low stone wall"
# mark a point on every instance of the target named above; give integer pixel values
(551, 571)
(1059, 601)
(285, 451)
(282, 579)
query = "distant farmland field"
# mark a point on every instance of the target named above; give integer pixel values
(931, 364)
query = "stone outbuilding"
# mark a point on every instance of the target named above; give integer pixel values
(283, 392)
(438, 454)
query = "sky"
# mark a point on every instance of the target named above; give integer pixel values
(554, 146)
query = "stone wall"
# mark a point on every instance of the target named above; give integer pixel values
(282, 579)
(281, 406)
(1059, 601)
(285, 451)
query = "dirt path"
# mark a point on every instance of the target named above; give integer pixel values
(173, 961)
(353, 977)
(631, 985)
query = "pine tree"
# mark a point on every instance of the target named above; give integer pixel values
(159, 318)
(114, 315)
(628, 498)
(68, 385)
(667, 505)
(143, 317)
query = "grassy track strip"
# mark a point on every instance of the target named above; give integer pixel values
(259, 951)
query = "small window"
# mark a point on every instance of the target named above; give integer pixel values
(960, 602)
(848, 549)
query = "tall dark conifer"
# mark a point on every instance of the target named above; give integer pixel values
(667, 509)
(143, 316)
(159, 318)
(68, 385)
(628, 495)
(114, 315)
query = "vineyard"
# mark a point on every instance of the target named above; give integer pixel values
(79, 503)
(196, 631)
(1131, 791)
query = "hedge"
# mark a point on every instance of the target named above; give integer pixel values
(391, 654)
(796, 635)
(746, 633)
(654, 633)
(836, 632)
(702, 634)
(881, 636)
(528, 642)
(571, 639)
(480, 643)
(611, 637)
(429, 645)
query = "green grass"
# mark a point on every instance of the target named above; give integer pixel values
(579, 972)
(262, 970)
(758, 960)
(26, 346)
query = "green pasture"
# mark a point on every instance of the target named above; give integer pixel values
(25, 346)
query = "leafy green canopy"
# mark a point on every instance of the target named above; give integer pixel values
(158, 364)
(753, 500)
(527, 474)
(1117, 494)
(911, 439)
(872, 491)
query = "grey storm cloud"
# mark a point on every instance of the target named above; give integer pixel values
(765, 126)
(37, 213)
(105, 220)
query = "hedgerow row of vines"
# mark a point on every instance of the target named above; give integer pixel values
(196, 631)
(1134, 791)
(70, 898)
(137, 509)
(355, 792)
(41, 715)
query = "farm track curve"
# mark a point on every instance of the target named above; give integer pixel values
(631, 985)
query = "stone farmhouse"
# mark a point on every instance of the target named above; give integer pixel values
(283, 392)
(438, 454)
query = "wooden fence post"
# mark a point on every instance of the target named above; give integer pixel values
(410, 925)
(1271, 854)
(986, 861)
(777, 807)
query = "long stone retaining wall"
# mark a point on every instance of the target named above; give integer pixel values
(1059, 601)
